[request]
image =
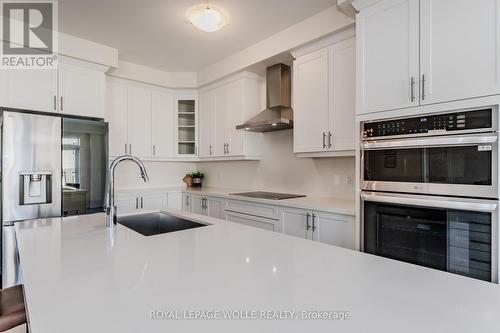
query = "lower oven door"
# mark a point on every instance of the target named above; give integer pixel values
(443, 165)
(450, 234)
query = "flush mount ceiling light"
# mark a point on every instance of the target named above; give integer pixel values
(207, 17)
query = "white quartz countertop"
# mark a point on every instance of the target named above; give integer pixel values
(80, 276)
(326, 204)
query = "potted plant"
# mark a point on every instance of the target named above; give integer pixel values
(193, 179)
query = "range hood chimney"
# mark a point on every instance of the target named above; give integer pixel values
(278, 114)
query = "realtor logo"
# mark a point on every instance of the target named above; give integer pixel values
(29, 34)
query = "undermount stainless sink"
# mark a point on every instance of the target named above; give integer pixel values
(156, 223)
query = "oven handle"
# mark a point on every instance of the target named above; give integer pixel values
(434, 202)
(429, 142)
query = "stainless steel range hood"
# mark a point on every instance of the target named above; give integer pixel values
(278, 115)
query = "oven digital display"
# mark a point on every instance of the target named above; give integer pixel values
(421, 125)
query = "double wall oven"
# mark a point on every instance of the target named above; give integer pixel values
(429, 191)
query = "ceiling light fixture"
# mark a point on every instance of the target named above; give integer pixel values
(207, 17)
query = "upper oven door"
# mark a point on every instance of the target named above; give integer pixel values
(458, 165)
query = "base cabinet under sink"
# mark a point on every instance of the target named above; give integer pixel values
(134, 202)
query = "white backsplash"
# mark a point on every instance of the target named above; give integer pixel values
(279, 170)
(161, 174)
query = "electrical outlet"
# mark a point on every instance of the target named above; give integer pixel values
(350, 180)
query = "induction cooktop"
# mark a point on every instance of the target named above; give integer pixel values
(268, 195)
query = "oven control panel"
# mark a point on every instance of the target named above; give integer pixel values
(439, 123)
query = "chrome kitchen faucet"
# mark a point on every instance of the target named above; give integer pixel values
(111, 208)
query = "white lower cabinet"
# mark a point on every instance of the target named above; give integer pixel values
(175, 200)
(208, 206)
(126, 203)
(253, 221)
(186, 202)
(154, 201)
(144, 201)
(295, 223)
(329, 228)
(334, 229)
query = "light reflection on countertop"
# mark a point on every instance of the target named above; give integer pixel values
(81, 276)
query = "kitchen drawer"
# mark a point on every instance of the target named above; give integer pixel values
(262, 210)
(254, 221)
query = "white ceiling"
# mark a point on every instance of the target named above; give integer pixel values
(156, 33)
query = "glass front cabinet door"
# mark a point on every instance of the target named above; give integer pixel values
(186, 125)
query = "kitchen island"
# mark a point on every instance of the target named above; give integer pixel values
(81, 276)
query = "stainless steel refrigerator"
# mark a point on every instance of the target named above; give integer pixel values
(51, 166)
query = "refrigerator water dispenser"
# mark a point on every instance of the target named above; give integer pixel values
(35, 188)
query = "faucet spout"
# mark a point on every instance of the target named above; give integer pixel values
(110, 206)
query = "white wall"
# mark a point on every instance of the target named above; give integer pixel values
(161, 174)
(280, 171)
(327, 22)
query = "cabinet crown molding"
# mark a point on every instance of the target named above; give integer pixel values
(359, 5)
(349, 32)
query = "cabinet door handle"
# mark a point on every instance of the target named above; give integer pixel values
(314, 222)
(130, 149)
(154, 150)
(125, 149)
(227, 148)
(308, 226)
(324, 140)
(61, 103)
(136, 203)
(210, 148)
(187, 200)
(329, 139)
(55, 102)
(412, 89)
(142, 203)
(423, 86)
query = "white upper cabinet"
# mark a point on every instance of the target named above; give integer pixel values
(310, 81)
(222, 107)
(342, 95)
(206, 124)
(116, 115)
(162, 118)
(419, 52)
(76, 88)
(221, 121)
(239, 97)
(459, 49)
(139, 122)
(324, 88)
(388, 62)
(29, 89)
(81, 90)
(186, 119)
